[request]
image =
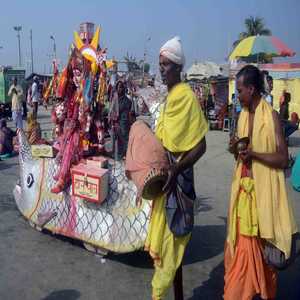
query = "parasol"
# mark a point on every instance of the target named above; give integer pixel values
(261, 44)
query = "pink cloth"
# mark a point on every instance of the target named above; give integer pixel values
(70, 156)
(144, 152)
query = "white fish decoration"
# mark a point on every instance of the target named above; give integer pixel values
(116, 225)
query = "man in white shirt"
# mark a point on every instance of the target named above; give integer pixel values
(35, 96)
(16, 94)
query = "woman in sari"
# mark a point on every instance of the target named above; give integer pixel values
(181, 128)
(259, 209)
(121, 118)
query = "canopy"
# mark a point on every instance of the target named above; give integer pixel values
(261, 44)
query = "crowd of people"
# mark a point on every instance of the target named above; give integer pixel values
(19, 101)
(259, 209)
(231, 110)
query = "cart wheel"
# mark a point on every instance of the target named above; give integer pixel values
(33, 225)
(97, 250)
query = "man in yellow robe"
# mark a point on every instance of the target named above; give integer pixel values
(259, 209)
(181, 128)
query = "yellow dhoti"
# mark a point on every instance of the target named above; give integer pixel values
(166, 249)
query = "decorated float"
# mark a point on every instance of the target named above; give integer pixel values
(72, 186)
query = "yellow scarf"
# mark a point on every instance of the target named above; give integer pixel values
(275, 216)
(181, 124)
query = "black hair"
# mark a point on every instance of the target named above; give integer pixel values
(3, 123)
(269, 78)
(252, 76)
(287, 97)
(120, 82)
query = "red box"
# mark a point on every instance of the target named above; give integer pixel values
(90, 183)
(97, 161)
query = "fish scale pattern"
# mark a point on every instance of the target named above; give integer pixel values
(117, 224)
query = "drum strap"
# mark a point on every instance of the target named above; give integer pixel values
(180, 202)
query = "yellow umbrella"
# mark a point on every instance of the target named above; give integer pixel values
(261, 44)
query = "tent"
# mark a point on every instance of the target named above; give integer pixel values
(205, 70)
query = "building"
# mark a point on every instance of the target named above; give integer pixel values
(286, 76)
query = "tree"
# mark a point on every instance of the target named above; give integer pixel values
(132, 65)
(146, 68)
(254, 26)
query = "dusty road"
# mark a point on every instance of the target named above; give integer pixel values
(39, 266)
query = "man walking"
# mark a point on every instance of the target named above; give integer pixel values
(35, 96)
(181, 128)
(16, 94)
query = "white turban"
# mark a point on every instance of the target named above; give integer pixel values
(172, 50)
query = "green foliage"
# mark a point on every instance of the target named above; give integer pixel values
(254, 26)
(132, 64)
(146, 68)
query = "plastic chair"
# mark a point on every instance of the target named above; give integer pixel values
(226, 124)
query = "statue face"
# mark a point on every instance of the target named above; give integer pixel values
(77, 77)
(77, 66)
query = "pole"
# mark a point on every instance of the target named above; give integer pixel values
(19, 40)
(228, 45)
(143, 78)
(1, 49)
(31, 50)
(144, 59)
(18, 29)
(54, 49)
(54, 46)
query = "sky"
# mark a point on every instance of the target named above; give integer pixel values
(207, 27)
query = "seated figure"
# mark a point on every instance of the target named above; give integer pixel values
(290, 126)
(34, 133)
(6, 139)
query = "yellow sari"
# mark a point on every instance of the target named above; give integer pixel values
(180, 127)
(33, 130)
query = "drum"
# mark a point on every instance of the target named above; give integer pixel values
(241, 145)
(153, 183)
(146, 161)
